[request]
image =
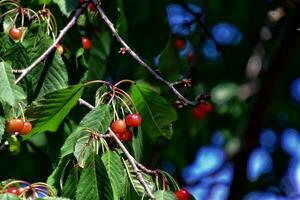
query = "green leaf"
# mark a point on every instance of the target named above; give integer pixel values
(83, 148)
(164, 195)
(53, 198)
(70, 142)
(9, 197)
(158, 114)
(18, 55)
(135, 182)
(94, 181)
(115, 171)
(98, 55)
(97, 119)
(2, 127)
(66, 6)
(9, 91)
(5, 43)
(56, 77)
(14, 144)
(49, 111)
(69, 188)
(55, 178)
(50, 75)
(137, 144)
(172, 183)
(170, 64)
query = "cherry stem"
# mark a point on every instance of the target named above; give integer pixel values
(133, 164)
(137, 58)
(124, 81)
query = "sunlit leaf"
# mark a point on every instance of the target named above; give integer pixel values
(94, 182)
(115, 171)
(48, 112)
(138, 187)
(164, 195)
(157, 113)
(9, 91)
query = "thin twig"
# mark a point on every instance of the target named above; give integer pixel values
(133, 164)
(137, 58)
(18, 71)
(145, 169)
(71, 23)
(85, 103)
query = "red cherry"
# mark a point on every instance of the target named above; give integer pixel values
(118, 126)
(126, 136)
(182, 194)
(198, 113)
(201, 110)
(86, 43)
(133, 120)
(207, 107)
(191, 56)
(14, 190)
(179, 44)
(15, 125)
(91, 7)
(60, 49)
(26, 129)
(15, 33)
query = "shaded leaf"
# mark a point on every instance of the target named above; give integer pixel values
(97, 58)
(66, 6)
(170, 64)
(54, 179)
(137, 144)
(50, 75)
(158, 114)
(49, 111)
(18, 55)
(69, 188)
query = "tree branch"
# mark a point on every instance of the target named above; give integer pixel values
(133, 164)
(138, 59)
(71, 23)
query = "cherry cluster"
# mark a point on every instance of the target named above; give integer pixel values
(119, 126)
(19, 126)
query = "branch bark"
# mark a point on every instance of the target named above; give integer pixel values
(63, 32)
(133, 164)
(138, 58)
